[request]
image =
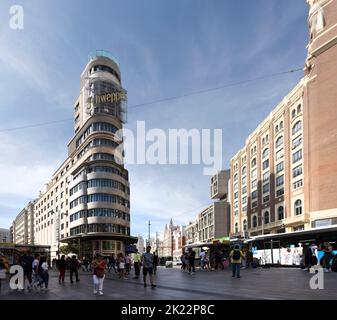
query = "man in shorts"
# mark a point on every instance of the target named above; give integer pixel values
(147, 262)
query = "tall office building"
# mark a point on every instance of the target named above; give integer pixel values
(87, 202)
(284, 178)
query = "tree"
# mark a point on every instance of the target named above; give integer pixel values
(69, 248)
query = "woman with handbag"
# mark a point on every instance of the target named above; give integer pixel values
(99, 266)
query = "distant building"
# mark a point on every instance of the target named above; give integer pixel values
(173, 241)
(23, 225)
(5, 236)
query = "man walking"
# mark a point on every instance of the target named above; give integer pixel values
(73, 268)
(236, 256)
(147, 262)
(27, 266)
(191, 259)
(136, 263)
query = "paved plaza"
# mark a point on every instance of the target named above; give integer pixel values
(274, 283)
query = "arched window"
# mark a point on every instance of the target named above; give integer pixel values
(293, 114)
(279, 141)
(244, 169)
(236, 227)
(263, 141)
(276, 129)
(281, 125)
(265, 153)
(245, 227)
(297, 127)
(266, 217)
(280, 212)
(298, 207)
(236, 177)
(254, 221)
(253, 162)
(299, 109)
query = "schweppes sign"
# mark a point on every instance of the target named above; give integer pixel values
(110, 97)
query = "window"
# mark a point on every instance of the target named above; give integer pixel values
(253, 162)
(236, 177)
(265, 164)
(280, 192)
(266, 199)
(236, 227)
(244, 189)
(236, 186)
(280, 213)
(279, 141)
(254, 194)
(254, 204)
(281, 125)
(299, 109)
(280, 167)
(266, 217)
(244, 200)
(265, 188)
(297, 156)
(266, 177)
(244, 170)
(298, 207)
(279, 154)
(236, 195)
(244, 180)
(279, 181)
(293, 114)
(297, 127)
(297, 171)
(276, 129)
(254, 184)
(298, 184)
(236, 212)
(297, 142)
(253, 174)
(245, 227)
(254, 221)
(265, 153)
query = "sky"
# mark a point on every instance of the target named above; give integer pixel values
(165, 48)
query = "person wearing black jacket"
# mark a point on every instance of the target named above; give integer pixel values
(73, 268)
(62, 266)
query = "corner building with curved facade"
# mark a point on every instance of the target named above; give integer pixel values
(87, 202)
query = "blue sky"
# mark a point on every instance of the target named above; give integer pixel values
(165, 48)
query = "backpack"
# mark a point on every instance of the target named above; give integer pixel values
(236, 255)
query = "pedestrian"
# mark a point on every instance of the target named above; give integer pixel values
(27, 266)
(62, 266)
(112, 263)
(328, 254)
(218, 261)
(127, 264)
(136, 263)
(98, 266)
(191, 259)
(183, 259)
(73, 268)
(206, 262)
(202, 259)
(155, 262)
(36, 279)
(121, 266)
(43, 273)
(147, 262)
(236, 256)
